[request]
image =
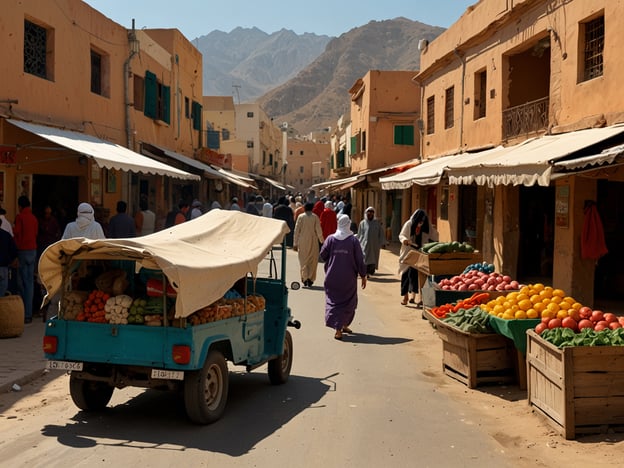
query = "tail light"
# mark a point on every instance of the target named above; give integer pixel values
(50, 344)
(181, 354)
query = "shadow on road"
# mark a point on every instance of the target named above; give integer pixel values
(374, 339)
(154, 419)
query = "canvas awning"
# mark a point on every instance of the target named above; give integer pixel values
(338, 182)
(429, 172)
(106, 154)
(527, 163)
(207, 170)
(202, 258)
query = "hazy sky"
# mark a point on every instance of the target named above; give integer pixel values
(196, 18)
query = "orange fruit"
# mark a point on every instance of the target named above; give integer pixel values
(520, 314)
(525, 304)
(558, 292)
(553, 307)
(532, 314)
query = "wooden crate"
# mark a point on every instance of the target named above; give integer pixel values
(475, 358)
(451, 263)
(579, 390)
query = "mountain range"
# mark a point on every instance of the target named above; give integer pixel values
(304, 79)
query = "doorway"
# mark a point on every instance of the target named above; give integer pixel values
(536, 241)
(59, 192)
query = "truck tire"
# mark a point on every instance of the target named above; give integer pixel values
(206, 390)
(90, 395)
(279, 368)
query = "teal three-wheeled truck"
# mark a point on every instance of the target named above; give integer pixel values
(170, 310)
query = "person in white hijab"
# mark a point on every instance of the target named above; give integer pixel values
(344, 262)
(85, 224)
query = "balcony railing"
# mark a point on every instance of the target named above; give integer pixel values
(527, 118)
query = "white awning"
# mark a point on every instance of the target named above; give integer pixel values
(335, 182)
(429, 172)
(106, 154)
(528, 163)
(607, 156)
(208, 171)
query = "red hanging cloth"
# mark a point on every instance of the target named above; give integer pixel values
(593, 245)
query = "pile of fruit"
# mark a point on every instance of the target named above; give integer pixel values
(445, 247)
(483, 267)
(227, 308)
(533, 301)
(93, 307)
(476, 280)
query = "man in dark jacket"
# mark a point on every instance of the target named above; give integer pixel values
(8, 254)
(282, 211)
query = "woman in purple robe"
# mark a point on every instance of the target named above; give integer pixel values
(344, 262)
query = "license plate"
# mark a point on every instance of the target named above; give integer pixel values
(167, 374)
(64, 365)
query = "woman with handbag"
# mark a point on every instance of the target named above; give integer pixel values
(411, 237)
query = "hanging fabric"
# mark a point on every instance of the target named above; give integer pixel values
(593, 245)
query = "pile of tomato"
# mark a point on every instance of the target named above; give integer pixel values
(93, 307)
(582, 318)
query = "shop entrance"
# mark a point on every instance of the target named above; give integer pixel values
(536, 241)
(60, 192)
(609, 275)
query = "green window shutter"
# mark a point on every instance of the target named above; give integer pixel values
(331, 162)
(408, 135)
(398, 134)
(341, 158)
(151, 99)
(196, 110)
(354, 149)
(166, 97)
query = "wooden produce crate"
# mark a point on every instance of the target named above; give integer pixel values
(475, 358)
(579, 390)
(451, 263)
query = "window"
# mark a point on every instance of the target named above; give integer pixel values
(290, 153)
(250, 144)
(449, 107)
(157, 99)
(196, 115)
(592, 37)
(225, 134)
(139, 93)
(187, 107)
(300, 152)
(340, 159)
(430, 115)
(99, 73)
(300, 169)
(270, 159)
(38, 50)
(480, 87)
(364, 141)
(322, 171)
(212, 139)
(250, 115)
(404, 135)
(300, 181)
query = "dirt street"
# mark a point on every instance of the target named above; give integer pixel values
(500, 410)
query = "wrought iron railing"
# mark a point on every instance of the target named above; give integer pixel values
(527, 118)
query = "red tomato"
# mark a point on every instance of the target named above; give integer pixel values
(569, 322)
(621, 320)
(545, 320)
(596, 316)
(585, 323)
(576, 316)
(609, 317)
(601, 325)
(540, 327)
(614, 325)
(585, 312)
(554, 323)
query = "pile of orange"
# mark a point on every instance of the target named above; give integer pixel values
(533, 301)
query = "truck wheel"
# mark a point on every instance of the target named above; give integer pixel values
(206, 390)
(279, 368)
(90, 395)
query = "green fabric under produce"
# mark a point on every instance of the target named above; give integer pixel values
(515, 330)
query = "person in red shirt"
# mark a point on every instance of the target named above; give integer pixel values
(25, 234)
(329, 220)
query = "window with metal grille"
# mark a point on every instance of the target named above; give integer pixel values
(480, 97)
(430, 115)
(449, 107)
(250, 115)
(594, 34)
(36, 50)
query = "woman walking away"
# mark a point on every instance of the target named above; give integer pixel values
(344, 262)
(411, 234)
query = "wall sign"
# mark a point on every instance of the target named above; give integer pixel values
(562, 208)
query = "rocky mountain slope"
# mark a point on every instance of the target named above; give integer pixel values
(247, 62)
(318, 95)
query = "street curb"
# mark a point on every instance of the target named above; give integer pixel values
(8, 387)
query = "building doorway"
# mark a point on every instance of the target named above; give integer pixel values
(59, 192)
(536, 241)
